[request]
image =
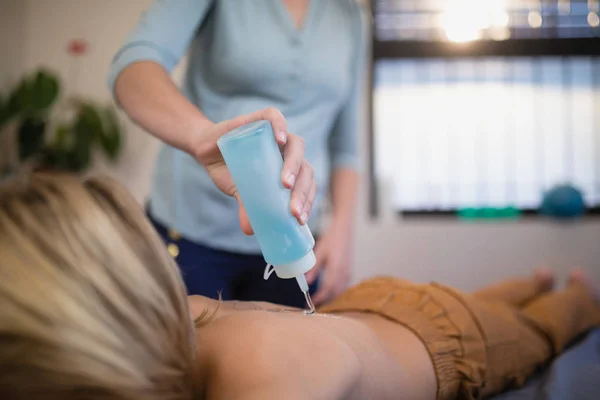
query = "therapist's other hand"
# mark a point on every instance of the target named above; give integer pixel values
(297, 173)
(333, 252)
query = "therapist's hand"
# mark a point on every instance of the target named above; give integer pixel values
(297, 174)
(333, 252)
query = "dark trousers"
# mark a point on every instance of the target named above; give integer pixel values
(209, 272)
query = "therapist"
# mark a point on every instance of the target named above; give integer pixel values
(248, 60)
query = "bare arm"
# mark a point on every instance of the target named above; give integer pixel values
(139, 76)
(333, 250)
(147, 93)
(140, 80)
(344, 187)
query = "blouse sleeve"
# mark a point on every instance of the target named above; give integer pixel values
(162, 34)
(343, 142)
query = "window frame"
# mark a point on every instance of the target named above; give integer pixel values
(416, 49)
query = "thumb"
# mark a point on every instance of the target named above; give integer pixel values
(243, 216)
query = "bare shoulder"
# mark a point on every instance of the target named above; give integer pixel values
(265, 353)
(200, 305)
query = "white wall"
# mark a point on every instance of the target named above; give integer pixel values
(12, 13)
(469, 255)
(465, 255)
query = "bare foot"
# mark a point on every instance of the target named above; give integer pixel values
(544, 278)
(580, 277)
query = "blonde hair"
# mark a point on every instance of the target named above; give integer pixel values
(91, 304)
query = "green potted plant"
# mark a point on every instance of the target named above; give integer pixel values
(56, 141)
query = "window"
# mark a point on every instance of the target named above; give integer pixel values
(495, 121)
(466, 20)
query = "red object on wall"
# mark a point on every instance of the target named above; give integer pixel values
(77, 47)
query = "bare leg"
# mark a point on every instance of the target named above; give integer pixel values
(519, 291)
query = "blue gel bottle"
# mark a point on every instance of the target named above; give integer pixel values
(255, 162)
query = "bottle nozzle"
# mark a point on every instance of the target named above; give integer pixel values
(301, 279)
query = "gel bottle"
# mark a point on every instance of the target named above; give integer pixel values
(255, 163)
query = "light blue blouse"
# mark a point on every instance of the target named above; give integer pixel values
(245, 56)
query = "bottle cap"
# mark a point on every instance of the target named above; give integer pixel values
(296, 268)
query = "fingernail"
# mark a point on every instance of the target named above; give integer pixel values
(298, 209)
(282, 136)
(304, 217)
(291, 179)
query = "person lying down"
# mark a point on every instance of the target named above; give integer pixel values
(93, 307)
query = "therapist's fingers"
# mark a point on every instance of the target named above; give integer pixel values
(308, 205)
(301, 193)
(293, 158)
(271, 114)
(243, 216)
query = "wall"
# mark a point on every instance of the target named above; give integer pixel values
(465, 255)
(12, 13)
(469, 255)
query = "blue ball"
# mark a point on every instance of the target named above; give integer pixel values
(563, 202)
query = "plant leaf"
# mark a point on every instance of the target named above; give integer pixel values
(30, 137)
(78, 160)
(62, 136)
(44, 91)
(111, 135)
(34, 95)
(87, 129)
(89, 122)
(54, 158)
